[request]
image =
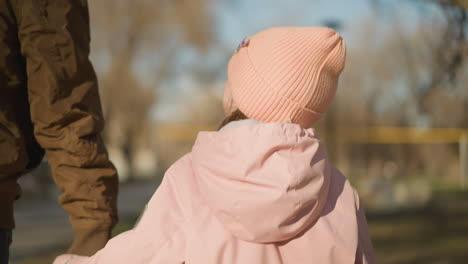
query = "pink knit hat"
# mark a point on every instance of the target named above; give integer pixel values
(285, 74)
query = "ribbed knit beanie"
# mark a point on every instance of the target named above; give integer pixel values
(285, 74)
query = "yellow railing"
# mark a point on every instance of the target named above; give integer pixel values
(358, 135)
(180, 132)
(400, 135)
(374, 135)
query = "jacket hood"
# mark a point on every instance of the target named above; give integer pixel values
(265, 182)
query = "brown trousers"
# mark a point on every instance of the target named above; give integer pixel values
(49, 102)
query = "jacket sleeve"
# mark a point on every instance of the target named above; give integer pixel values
(159, 237)
(66, 112)
(365, 251)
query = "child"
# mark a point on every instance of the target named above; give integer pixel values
(261, 190)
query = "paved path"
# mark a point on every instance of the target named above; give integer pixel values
(42, 225)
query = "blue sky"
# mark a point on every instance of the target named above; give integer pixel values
(247, 17)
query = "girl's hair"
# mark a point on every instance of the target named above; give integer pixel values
(234, 116)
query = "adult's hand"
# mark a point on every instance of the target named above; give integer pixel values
(69, 259)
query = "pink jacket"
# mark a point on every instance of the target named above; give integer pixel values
(252, 193)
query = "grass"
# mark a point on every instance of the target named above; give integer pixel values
(437, 233)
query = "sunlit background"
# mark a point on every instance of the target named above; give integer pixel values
(398, 128)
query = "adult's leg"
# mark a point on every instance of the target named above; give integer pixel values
(5, 241)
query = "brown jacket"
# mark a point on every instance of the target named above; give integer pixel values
(49, 101)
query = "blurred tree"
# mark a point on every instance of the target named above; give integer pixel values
(434, 65)
(400, 72)
(138, 37)
(333, 23)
